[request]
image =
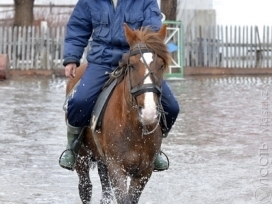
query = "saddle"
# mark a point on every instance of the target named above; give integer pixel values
(115, 78)
(97, 115)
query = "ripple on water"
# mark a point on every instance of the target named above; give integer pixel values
(213, 146)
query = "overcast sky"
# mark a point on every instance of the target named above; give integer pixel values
(243, 12)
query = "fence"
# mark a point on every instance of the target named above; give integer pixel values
(41, 47)
(228, 47)
(204, 46)
(35, 47)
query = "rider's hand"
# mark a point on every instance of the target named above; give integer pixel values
(70, 70)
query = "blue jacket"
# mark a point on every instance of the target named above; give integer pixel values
(99, 20)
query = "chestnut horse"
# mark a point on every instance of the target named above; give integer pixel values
(130, 136)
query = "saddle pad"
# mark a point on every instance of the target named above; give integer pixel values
(100, 105)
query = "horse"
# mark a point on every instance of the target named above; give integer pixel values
(130, 135)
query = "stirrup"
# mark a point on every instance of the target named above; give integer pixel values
(72, 168)
(158, 170)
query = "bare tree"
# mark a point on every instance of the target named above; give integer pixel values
(169, 8)
(23, 12)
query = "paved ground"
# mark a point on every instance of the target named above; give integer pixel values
(220, 147)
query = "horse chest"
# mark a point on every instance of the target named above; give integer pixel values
(135, 161)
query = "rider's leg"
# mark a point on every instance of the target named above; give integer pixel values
(171, 106)
(80, 107)
(68, 157)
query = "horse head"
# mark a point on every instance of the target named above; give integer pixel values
(147, 61)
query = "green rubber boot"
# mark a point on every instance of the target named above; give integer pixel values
(67, 159)
(161, 162)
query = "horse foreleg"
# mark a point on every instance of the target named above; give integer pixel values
(119, 184)
(107, 195)
(85, 185)
(137, 185)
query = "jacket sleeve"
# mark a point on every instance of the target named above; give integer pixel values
(78, 32)
(152, 15)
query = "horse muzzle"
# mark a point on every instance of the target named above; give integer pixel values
(148, 116)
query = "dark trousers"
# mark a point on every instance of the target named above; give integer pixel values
(80, 106)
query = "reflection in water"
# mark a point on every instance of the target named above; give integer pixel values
(213, 147)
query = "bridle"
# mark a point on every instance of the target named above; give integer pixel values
(152, 87)
(141, 88)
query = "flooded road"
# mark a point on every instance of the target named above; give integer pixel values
(220, 148)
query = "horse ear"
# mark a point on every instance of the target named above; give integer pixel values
(162, 32)
(130, 35)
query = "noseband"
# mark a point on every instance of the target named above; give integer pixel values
(141, 88)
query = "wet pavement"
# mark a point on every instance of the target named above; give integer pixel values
(220, 148)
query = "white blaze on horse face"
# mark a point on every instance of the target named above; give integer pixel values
(149, 111)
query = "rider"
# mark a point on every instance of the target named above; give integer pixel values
(103, 21)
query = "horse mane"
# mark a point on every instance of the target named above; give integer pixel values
(154, 42)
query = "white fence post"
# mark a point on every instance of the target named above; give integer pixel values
(44, 44)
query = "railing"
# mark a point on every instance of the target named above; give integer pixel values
(42, 47)
(228, 47)
(32, 47)
(204, 46)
